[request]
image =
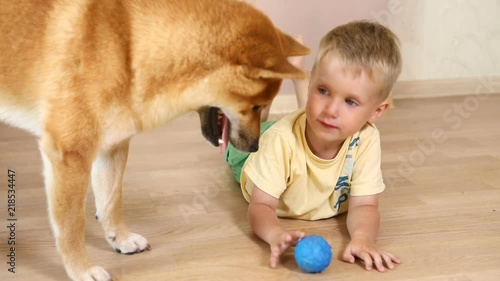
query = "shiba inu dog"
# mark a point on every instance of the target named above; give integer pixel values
(84, 76)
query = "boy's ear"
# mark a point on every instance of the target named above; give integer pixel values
(379, 111)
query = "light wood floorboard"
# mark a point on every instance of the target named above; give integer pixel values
(440, 211)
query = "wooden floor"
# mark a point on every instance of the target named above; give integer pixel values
(440, 211)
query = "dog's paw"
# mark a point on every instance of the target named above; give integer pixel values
(129, 244)
(96, 273)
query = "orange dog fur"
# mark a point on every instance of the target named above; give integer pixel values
(84, 76)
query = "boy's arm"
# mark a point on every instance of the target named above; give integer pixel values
(262, 215)
(363, 221)
(363, 218)
(265, 224)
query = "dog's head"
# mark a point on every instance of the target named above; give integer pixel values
(246, 86)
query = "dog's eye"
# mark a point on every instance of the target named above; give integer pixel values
(256, 108)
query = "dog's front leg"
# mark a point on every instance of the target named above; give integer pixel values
(67, 176)
(107, 175)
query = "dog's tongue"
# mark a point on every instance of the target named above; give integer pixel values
(225, 133)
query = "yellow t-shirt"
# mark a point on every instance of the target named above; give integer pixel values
(307, 186)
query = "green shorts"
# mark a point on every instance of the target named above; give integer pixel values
(236, 159)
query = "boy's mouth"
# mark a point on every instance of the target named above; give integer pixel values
(328, 125)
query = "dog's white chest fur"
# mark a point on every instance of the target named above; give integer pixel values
(27, 119)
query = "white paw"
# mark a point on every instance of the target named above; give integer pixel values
(128, 244)
(96, 273)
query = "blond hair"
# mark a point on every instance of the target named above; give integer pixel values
(364, 46)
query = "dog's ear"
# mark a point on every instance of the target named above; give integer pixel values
(281, 69)
(290, 46)
(272, 63)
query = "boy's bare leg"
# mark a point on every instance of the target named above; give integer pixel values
(300, 86)
(265, 113)
(301, 91)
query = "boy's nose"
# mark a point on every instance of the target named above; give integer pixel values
(332, 109)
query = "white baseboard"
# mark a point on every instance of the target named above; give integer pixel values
(287, 102)
(446, 87)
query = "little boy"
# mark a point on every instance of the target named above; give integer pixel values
(324, 160)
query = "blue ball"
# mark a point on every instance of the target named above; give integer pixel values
(313, 254)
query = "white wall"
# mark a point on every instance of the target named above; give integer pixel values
(314, 18)
(441, 39)
(448, 39)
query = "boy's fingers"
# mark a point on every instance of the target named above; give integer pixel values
(365, 256)
(388, 261)
(377, 260)
(287, 238)
(274, 263)
(348, 257)
(297, 235)
(394, 258)
(274, 258)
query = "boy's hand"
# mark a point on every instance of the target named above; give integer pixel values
(367, 251)
(265, 224)
(281, 242)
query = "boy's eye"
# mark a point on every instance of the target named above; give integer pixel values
(322, 91)
(350, 102)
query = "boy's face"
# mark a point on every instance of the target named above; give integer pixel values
(340, 102)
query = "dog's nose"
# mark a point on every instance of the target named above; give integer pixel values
(254, 147)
